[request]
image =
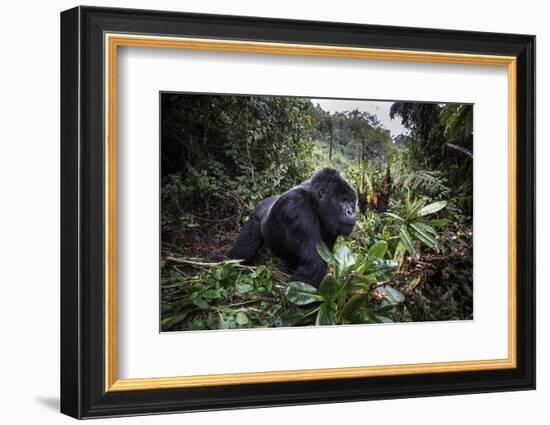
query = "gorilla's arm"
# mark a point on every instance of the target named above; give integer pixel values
(311, 270)
(292, 231)
(250, 237)
(248, 242)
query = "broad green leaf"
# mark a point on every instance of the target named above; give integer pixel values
(360, 285)
(325, 316)
(361, 315)
(200, 302)
(423, 233)
(399, 254)
(384, 319)
(424, 240)
(432, 208)
(407, 240)
(437, 222)
(427, 228)
(324, 252)
(378, 249)
(293, 316)
(391, 294)
(381, 269)
(392, 215)
(384, 309)
(328, 287)
(241, 318)
(301, 293)
(353, 305)
(415, 208)
(177, 319)
(166, 320)
(211, 294)
(344, 259)
(212, 321)
(243, 287)
(260, 269)
(223, 323)
(365, 279)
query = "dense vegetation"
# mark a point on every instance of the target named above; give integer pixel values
(408, 259)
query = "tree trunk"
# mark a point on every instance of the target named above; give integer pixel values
(330, 148)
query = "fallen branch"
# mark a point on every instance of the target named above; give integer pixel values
(460, 149)
(181, 260)
(277, 274)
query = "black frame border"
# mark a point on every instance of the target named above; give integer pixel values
(82, 212)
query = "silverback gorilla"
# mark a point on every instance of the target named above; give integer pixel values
(292, 224)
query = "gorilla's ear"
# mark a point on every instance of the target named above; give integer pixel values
(322, 193)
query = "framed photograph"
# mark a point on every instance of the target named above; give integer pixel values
(261, 212)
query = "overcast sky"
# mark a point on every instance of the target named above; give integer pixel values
(380, 109)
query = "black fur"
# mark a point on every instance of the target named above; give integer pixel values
(292, 224)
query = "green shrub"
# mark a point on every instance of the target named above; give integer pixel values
(354, 292)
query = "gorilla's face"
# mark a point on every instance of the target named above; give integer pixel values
(337, 207)
(347, 217)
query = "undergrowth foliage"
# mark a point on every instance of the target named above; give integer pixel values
(409, 257)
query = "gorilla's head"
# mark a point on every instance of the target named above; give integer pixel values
(336, 199)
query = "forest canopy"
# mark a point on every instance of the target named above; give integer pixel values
(412, 243)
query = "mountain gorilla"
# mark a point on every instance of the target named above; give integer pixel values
(292, 224)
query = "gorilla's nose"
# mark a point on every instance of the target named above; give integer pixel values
(350, 213)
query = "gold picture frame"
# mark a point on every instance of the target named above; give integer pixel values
(114, 41)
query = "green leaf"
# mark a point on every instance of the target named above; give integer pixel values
(243, 287)
(437, 222)
(381, 269)
(365, 279)
(211, 294)
(223, 323)
(241, 318)
(424, 240)
(384, 319)
(424, 235)
(432, 208)
(353, 305)
(324, 252)
(325, 316)
(344, 260)
(200, 302)
(392, 215)
(293, 316)
(399, 253)
(328, 287)
(407, 240)
(378, 249)
(260, 269)
(415, 208)
(301, 293)
(365, 315)
(384, 309)
(172, 320)
(392, 294)
(426, 228)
